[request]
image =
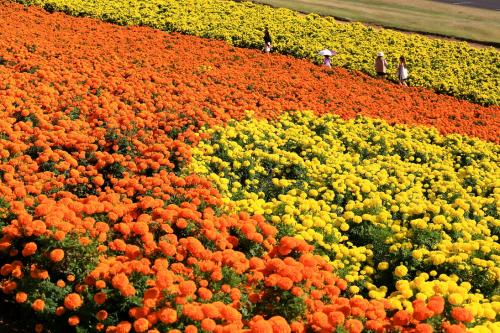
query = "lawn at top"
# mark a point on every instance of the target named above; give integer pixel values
(416, 15)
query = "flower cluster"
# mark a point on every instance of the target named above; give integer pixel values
(103, 227)
(447, 67)
(400, 212)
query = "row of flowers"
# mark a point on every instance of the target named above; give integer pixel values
(102, 229)
(202, 85)
(447, 67)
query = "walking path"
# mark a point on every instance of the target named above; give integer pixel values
(486, 4)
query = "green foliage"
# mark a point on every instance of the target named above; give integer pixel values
(426, 238)
(277, 302)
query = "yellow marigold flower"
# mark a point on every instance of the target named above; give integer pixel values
(401, 271)
(455, 299)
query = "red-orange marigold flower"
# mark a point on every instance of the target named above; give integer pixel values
(73, 320)
(167, 316)
(401, 318)
(141, 325)
(191, 329)
(261, 326)
(436, 304)
(102, 315)
(462, 314)
(279, 324)
(21, 297)
(208, 324)
(73, 301)
(29, 249)
(100, 297)
(38, 305)
(353, 326)
(187, 288)
(56, 255)
(423, 328)
(321, 319)
(336, 318)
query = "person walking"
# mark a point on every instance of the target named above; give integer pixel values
(267, 40)
(326, 61)
(381, 65)
(402, 71)
(327, 54)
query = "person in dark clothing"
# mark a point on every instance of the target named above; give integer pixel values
(267, 41)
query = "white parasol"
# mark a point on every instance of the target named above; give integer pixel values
(327, 52)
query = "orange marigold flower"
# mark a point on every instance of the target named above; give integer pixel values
(29, 249)
(119, 281)
(38, 305)
(353, 326)
(341, 283)
(123, 327)
(210, 311)
(401, 318)
(128, 290)
(141, 325)
(279, 324)
(9, 287)
(216, 275)
(336, 318)
(420, 311)
(436, 304)
(230, 314)
(191, 329)
(73, 320)
(21, 297)
(455, 328)
(297, 291)
(423, 328)
(100, 284)
(60, 310)
(73, 301)
(261, 326)
(320, 319)
(100, 297)
(285, 283)
(167, 316)
(102, 315)
(193, 312)
(208, 324)
(187, 288)
(140, 228)
(462, 314)
(297, 327)
(204, 293)
(56, 255)
(235, 294)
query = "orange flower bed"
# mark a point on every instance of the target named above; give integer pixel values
(100, 228)
(111, 72)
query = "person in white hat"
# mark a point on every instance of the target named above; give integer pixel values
(381, 65)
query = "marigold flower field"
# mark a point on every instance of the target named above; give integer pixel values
(448, 67)
(159, 182)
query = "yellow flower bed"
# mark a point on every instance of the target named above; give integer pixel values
(449, 67)
(400, 212)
